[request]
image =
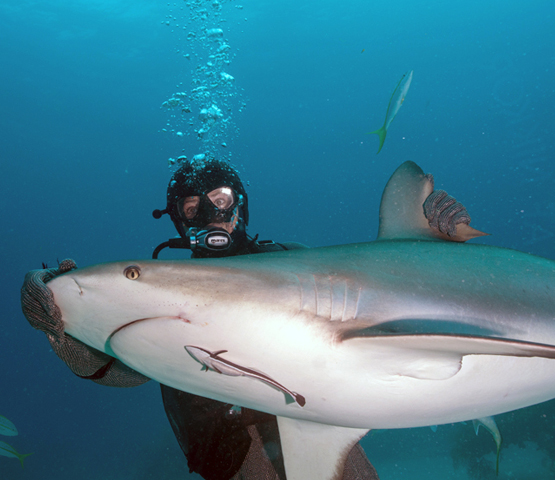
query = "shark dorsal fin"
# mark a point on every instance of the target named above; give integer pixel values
(402, 213)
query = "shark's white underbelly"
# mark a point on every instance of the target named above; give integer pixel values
(341, 386)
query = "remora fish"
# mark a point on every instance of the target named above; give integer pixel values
(405, 331)
(6, 427)
(395, 103)
(213, 361)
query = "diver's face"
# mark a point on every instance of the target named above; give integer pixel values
(221, 200)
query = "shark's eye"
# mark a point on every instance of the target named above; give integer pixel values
(132, 272)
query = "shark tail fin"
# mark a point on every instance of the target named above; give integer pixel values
(382, 132)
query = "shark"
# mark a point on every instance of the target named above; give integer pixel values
(408, 330)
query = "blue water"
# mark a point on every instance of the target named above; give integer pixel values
(84, 147)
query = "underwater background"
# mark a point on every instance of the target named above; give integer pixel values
(97, 97)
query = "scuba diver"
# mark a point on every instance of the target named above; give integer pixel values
(208, 206)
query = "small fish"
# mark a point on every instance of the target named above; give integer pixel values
(213, 361)
(489, 424)
(8, 451)
(7, 428)
(395, 103)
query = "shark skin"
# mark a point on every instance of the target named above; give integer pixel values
(406, 331)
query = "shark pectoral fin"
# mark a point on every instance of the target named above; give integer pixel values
(398, 356)
(314, 451)
(436, 357)
(425, 365)
(458, 344)
(382, 132)
(472, 345)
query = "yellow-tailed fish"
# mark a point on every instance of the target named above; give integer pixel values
(489, 424)
(9, 451)
(395, 103)
(6, 427)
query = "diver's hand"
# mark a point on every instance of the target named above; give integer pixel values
(443, 212)
(43, 314)
(448, 219)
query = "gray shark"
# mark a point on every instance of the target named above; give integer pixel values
(409, 330)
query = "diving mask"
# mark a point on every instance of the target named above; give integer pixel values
(211, 209)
